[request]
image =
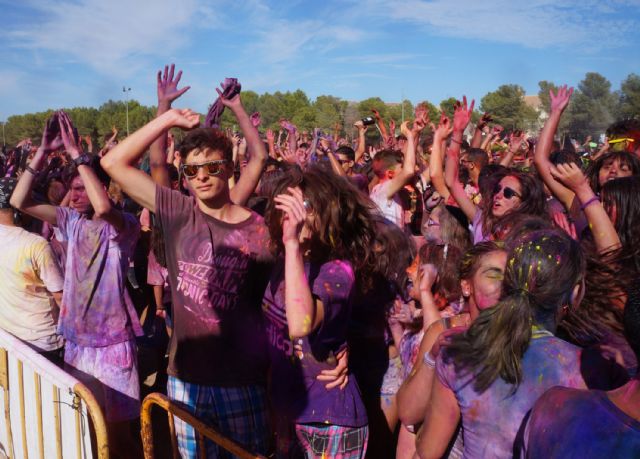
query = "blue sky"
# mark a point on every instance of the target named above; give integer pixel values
(82, 52)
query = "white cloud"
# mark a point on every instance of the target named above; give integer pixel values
(110, 36)
(587, 25)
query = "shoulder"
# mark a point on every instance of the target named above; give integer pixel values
(337, 270)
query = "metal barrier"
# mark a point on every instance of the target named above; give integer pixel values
(45, 409)
(202, 430)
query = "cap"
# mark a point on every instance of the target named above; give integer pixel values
(7, 185)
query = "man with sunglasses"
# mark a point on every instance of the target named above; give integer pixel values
(218, 260)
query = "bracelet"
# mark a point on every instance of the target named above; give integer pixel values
(456, 141)
(589, 202)
(428, 360)
(30, 169)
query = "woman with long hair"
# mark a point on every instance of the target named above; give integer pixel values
(321, 227)
(491, 374)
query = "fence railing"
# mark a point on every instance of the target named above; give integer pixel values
(46, 410)
(202, 430)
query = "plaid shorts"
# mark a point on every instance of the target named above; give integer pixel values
(239, 413)
(332, 442)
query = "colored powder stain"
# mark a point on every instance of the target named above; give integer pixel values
(540, 378)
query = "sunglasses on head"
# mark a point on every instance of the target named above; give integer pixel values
(507, 192)
(213, 168)
(623, 139)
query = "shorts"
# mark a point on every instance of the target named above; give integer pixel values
(239, 413)
(111, 373)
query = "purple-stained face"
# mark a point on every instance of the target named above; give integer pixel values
(485, 287)
(79, 197)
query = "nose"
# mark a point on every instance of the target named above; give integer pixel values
(202, 174)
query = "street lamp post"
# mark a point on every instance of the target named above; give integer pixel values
(126, 91)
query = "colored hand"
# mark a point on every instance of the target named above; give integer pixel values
(185, 118)
(570, 175)
(168, 86)
(51, 139)
(69, 135)
(462, 114)
(295, 213)
(560, 100)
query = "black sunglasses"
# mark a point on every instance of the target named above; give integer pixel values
(213, 168)
(507, 192)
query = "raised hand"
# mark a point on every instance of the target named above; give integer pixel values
(404, 129)
(444, 128)
(376, 114)
(560, 100)
(484, 121)
(271, 137)
(184, 118)
(392, 127)
(287, 125)
(428, 276)
(168, 86)
(69, 135)
(256, 120)
(51, 140)
(360, 125)
(516, 140)
(462, 114)
(570, 175)
(422, 120)
(292, 205)
(232, 100)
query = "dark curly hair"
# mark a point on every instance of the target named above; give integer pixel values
(206, 138)
(345, 228)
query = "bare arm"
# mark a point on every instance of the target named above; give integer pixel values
(167, 92)
(461, 118)
(304, 312)
(335, 165)
(545, 143)
(21, 197)
(440, 422)
(436, 170)
(515, 143)
(604, 233)
(476, 141)
(381, 125)
(250, 175)
(362, 142)
(405, 174)
(120, 162)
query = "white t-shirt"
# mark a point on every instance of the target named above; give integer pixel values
(29, 271)
(391, 208)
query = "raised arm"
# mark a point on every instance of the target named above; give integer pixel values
(604, 233)
(120, 162)
(515, 143)
(21, 198)
(476, 141)
(436, 168)
(461, 117)
(404, 176)
(96, 191)
(250, 175)
(168, 91)
(381, 125)
(304, 312)
(541, 160)
(362, 142)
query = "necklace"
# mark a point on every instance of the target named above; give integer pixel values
(537, 332)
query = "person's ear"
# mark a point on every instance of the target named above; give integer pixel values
(577, 294)
(389, 174)
(467, 289)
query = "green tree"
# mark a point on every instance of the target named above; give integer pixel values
(396, 111)
(593, 107)
(446, 106)
(365, 107)
(629, 97)
(508, 108)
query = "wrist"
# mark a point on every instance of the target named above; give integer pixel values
(163, 106)
(291, 245)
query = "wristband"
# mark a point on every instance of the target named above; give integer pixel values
(30, 169)
(589, 202)
(428, 360)
(456, 141)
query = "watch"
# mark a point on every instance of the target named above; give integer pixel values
(82, 160)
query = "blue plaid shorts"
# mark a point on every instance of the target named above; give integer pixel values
(239, 413)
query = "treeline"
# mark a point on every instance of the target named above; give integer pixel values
(593, 107)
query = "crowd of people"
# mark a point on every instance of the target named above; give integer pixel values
(446, 290)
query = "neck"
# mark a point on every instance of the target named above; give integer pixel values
(217, 207)
(6, 217)
(474, 175)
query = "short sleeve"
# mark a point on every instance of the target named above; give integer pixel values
(333, 286)
(172, 208)
(64, 218)
(130, 230)
(445, 372)
(47, 267)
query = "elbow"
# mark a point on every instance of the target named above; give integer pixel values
(107, 163)
(102, 210)
(299, 331)
(16, 203)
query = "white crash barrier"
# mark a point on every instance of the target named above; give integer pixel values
(46, 411)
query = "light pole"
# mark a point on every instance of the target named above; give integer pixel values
(126, 91)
